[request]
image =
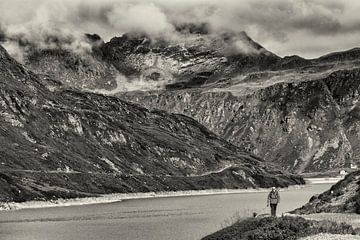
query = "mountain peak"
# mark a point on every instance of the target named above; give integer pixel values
(135, 61)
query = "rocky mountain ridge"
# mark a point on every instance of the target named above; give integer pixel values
(303, 122)
(299, 113)
(57, 142)
(190, 61)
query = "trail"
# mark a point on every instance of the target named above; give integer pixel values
(115, 173)
(214, 172)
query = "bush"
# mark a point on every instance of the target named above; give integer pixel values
(278, 229)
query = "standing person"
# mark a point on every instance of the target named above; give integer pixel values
(273, 199)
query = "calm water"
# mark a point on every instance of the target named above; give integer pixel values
(172, 218)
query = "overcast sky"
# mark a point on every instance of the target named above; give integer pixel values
(309, 28)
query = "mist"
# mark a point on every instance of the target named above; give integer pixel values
(124, 84)
(279, 25)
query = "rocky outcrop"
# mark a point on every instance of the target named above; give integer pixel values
(64, 143)
(75, 70)
(343, 197)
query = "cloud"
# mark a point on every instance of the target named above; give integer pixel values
(124, 84)
(140, 17)
(283, 26)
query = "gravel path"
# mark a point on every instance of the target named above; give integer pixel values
(323, 236)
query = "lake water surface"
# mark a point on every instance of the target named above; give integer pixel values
(173, 218)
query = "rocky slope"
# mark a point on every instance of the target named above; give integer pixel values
(57, 142)
(343, 197)
(304, 121)
(80, 71)
(299, 113)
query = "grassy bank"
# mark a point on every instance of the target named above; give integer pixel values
(283, 228)
(343, 197)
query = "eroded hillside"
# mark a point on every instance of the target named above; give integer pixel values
(301, 114)
(65, 143)
(343, 197)
(306, 119)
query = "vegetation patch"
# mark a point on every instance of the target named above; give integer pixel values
(283, 228)
(343, 197)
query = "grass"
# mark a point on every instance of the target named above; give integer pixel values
(284, 228)
(238, 216)
(349, 218)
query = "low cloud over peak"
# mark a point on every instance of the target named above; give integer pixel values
(305, 27)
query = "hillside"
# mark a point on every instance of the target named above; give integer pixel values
(57, 142)
(282, 229)
(305, 122)
(301, 114)
(343, 197)
(309, 111)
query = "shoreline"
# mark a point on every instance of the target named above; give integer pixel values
(323, 180)
(118, 197)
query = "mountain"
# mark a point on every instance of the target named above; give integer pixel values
(58, 142)
(342, 197)
(304, 118)
(299, 113)
(305, 122)
(190, 61)
(79, 71)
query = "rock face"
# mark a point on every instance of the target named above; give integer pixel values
(342, 197)
(75, 70)
(301, 114)
(57, 142)
(306, 124)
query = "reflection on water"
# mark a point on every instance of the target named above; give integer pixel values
(157, 218)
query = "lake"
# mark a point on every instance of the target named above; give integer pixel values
(175, 218)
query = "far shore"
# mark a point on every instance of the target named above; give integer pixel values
(117, 197)
(323, 180)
